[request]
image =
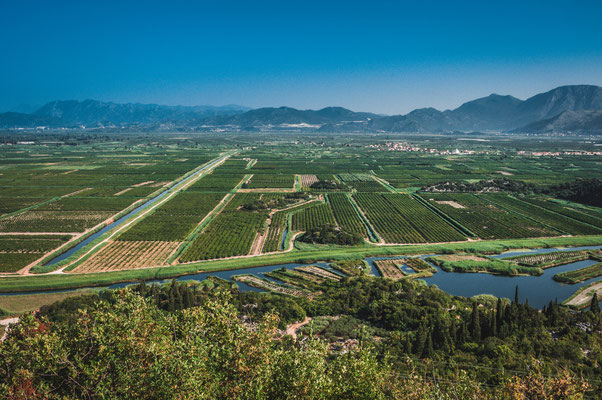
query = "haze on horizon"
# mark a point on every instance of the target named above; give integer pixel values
(385, 57)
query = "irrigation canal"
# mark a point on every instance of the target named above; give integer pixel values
(540, 290)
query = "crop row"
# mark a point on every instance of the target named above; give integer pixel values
(387, 220)
(557, 221)
(313, 217)
(389, 269)
(31, 244)
(485, 219)
(430, 226)
(545, 260)
(308, 180)
(566, 211)
(278, 226)
(345, 213)
(275, 232)
(12, 204)
(231, 233)
(53, 221)
(319, 272)
(11, 262)
(417, 264)
(580, 275)
(295, 278)
(128, 255)
(174, 220)
(88, 204)
(271, 181)
(254, 281)
(217, 182)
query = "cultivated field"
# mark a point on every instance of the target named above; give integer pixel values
(122, 255)
(258, 202)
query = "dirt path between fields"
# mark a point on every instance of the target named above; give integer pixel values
(292, 328)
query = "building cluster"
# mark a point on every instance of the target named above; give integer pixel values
(559, 153)
(406, 147)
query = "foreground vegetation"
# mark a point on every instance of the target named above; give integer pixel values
(400, 339)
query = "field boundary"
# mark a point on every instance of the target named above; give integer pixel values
(372, 234)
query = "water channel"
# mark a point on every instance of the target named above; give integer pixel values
(131, 214)
(540, 290)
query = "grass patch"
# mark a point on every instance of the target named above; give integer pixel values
(19, 304)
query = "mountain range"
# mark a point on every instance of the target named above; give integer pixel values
(574, 109)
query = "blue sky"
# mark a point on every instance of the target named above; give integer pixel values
(380, 56)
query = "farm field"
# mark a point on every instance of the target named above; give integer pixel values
(486, 220)
(230, 234)
(479, 263)
(345, 214)
(263, 198)
(550, 218)
(580, 275)
(390, 268)
(17, 251)
(398, 218)
(120, 255)
(547, 260)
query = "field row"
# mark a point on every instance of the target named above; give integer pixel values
(485, 219)
(231, 233)
(121, 255)
(175, 219)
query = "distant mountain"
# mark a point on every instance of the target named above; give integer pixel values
(564, 109)
(584, 121)
(286, 116)
(491, 113)
(11, 120)
(505, 113)
(93, 113)
(552, 103)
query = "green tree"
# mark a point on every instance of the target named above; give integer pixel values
(475, 323)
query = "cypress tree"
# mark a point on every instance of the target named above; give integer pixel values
(475, 324)
(180, 297)
(189, 299)
(453, 333)
(463, 336)
(516, 295)
(408, 345)
(499, 315)
(594, 306)
(447, 341)
(171, 302)
(421, 338)
(429, 351)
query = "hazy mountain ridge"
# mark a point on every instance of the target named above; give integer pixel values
(584, 121)
(563, 109)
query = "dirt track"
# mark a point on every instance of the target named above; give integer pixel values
(292, 328)
(586, 295)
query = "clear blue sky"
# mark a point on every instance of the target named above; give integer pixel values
(380, 56)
